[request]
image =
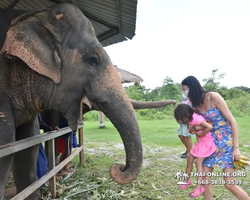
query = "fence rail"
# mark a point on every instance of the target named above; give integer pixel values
(20, 145)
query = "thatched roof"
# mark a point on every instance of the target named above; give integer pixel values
(127, 77)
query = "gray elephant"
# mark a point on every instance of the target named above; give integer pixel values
(51, 60)
(6, 16)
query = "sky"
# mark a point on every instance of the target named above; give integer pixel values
(178, 38)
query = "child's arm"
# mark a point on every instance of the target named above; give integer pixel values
(191, 129)
(206, 128)
(195, 128)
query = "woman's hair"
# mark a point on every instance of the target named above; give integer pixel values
(196, 91)
(183, 113)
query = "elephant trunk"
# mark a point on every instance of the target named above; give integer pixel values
(136, 105)
(151, 104)
(124, 119)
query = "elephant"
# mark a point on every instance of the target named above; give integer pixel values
(52, 60)
(6, 16)
(47, 55)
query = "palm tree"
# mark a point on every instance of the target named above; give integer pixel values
(178, 175)
(185, 176)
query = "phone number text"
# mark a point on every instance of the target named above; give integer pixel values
(219, 182)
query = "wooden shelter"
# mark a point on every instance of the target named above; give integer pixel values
(113, 20)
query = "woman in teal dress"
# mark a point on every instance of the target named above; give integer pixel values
(225, 133)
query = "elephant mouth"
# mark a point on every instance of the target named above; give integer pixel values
(72, 114)
(86, 106)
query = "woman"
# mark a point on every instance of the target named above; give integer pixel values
(225, 133)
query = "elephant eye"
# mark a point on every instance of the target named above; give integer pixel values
(93, 61)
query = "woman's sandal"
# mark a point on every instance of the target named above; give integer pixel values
(184, 186)
(196, 192)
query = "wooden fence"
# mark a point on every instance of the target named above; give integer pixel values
(51, 174)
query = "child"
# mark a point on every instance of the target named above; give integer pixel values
(205, 146)
(184, 134)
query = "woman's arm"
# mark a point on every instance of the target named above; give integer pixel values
(220, 103)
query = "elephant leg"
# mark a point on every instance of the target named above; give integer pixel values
(7, 135)
(4, 173)
(24, 163)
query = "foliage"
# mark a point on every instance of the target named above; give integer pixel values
(136, 91)
(237, 98)
(153, 95)
(240, 106)
(212, 83)
(91, 116)
(170, 90)
(244, 89)
(233, 93)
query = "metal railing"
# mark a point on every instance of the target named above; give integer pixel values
(20, 145)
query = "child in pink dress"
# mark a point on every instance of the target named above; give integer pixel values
(205, 146)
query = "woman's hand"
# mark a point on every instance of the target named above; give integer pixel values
(236, 154)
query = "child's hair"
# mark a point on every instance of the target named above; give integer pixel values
(183, 113)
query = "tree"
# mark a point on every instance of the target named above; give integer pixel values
(136, 91)
(153, 95)
(243, 88)
(169, 89)
(233, 93)
(212, 83)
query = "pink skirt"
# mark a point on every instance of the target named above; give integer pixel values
(204, 147)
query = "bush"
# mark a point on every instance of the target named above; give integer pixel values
(157, 113)
(237, 113)
(91, 116)
(239, 106)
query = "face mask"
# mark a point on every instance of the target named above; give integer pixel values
(185, 94)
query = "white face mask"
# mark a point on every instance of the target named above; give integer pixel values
(185, 94)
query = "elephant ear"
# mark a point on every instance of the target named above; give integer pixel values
(34, 37)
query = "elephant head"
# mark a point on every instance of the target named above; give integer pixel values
(56, 57)
(127, 77)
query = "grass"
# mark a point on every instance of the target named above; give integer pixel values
(162, 149)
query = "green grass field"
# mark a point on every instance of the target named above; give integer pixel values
(162, 149)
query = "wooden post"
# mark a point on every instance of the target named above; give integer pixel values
(101, 120)
(51, 159)
(80, 136)
(81, 153)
